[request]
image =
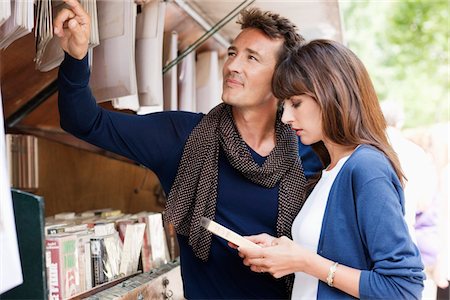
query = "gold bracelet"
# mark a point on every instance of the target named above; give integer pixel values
(331, 272)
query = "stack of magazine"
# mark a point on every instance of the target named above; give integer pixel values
(16, 20)
(49, 54)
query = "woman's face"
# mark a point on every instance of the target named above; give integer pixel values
(303, 114)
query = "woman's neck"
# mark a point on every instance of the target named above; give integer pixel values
(337, 152)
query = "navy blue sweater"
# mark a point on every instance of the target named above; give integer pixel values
(156, 141)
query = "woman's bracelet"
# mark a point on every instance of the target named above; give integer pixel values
(331, 272)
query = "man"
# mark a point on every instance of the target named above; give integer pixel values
(238, 164)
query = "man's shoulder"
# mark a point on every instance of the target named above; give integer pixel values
(177, 118)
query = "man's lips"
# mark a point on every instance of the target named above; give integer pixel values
(231, 81)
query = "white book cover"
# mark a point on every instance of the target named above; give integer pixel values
(208, 81)
(186, 83)
(149, 52)
(5, 11)
(113, 73)
(170, 78)
(10, 267)
(134, 234)
(158, 241)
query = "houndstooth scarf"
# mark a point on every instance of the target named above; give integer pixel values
(194, 192)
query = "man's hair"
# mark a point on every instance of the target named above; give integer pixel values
(273, 25)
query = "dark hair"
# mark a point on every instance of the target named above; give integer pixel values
(273, 25)
(334, 76)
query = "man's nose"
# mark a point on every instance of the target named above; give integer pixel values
(234, 64)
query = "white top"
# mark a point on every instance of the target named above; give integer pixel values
(307, 227)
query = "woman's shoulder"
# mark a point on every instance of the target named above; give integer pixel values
(367, 163)
(367, 155)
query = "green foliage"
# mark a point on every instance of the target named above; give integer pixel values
(404, 45)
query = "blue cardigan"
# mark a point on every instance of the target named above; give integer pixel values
(363, 227)
(157, 141)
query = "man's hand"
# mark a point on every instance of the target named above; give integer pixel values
(73, 26)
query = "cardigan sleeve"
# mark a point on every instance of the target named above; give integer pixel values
(397, 270)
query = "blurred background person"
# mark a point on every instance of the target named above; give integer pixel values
(434, 140)
(421, 194)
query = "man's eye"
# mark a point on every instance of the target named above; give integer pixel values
(231, 53)
(251, 57)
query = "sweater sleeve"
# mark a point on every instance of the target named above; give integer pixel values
(396, 272)
(155, 140)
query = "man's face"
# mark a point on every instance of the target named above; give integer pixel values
(248, 71)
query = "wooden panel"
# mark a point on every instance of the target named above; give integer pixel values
(44, 117)
(71, 179)
(44, 122)
(20, 81)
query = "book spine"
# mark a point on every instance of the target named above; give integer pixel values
(70, 266)
(53, 269)
(98, 256)
(158, 241)
(88, 265)
(172, 242)
(146, 251)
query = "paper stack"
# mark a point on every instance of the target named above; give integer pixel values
(16, 20)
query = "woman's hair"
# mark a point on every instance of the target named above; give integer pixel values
(334, 76)
(274, 26)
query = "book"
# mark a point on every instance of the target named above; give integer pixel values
(172, 241)
(226, 233)
(98, 260)
(29, 226)
(62, 266)
(129, 259)
(154, 248)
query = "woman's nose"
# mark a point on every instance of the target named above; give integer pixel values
(286, 117)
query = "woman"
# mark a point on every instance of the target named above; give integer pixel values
(350, 238)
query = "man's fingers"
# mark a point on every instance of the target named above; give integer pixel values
(58, 23)
(81, 15)
(75, 11)
(78, 34)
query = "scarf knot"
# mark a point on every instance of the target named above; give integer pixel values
(194, 192)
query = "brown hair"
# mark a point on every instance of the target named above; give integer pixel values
(273, 25)
(339, 82)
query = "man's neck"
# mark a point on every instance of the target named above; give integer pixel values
(257, 128)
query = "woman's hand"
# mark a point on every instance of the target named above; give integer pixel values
(279, 256)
